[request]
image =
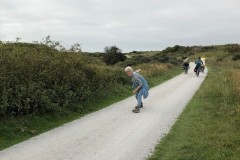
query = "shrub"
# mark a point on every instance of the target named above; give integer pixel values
(236, 56)
(38, 82)
(233, 48)
(113, 55)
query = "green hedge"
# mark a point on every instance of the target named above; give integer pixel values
(39, 82)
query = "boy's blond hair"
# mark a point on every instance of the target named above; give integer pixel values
(128, 69)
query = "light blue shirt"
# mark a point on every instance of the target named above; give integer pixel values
(139, 80)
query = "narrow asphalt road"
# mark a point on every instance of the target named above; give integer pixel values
(114, 133)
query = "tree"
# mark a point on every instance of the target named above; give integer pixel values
(75, 48)
(18, 39)
(50, 43)
(113, 55)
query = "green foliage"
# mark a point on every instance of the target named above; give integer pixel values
(75, 48)
(207, 48)
(233, 48)
(135, 60)
(158, 57)
(173, 55)
(113, 55)
(19, 48)
(166, 58)
(33, 81)
(162, 58)
(236, 56)
(177, 49)
(37, 79)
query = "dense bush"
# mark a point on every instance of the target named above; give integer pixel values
(161, 59)
(38, 79)
(113, 55)
(207, 48)
(177, 49)
(39, 82)
(236, 56)
(233, 48)
(166, 58)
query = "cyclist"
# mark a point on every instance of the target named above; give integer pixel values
(198, 63)
(204, 63)
(186, 63)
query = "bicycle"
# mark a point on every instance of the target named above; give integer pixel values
(198, 71)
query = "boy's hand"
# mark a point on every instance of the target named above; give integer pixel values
(134, 91)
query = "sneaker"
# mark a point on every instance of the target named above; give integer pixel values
(136, 110)
(139, 106)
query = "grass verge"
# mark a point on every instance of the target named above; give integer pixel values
(16, 130)
(209, 127)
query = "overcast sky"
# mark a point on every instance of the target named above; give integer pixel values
(129, 24)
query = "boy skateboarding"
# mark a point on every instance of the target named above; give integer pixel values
(140, 87)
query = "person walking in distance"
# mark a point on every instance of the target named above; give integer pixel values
(140, 87)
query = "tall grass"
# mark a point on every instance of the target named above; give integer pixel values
(156, 73)
(155, 69)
